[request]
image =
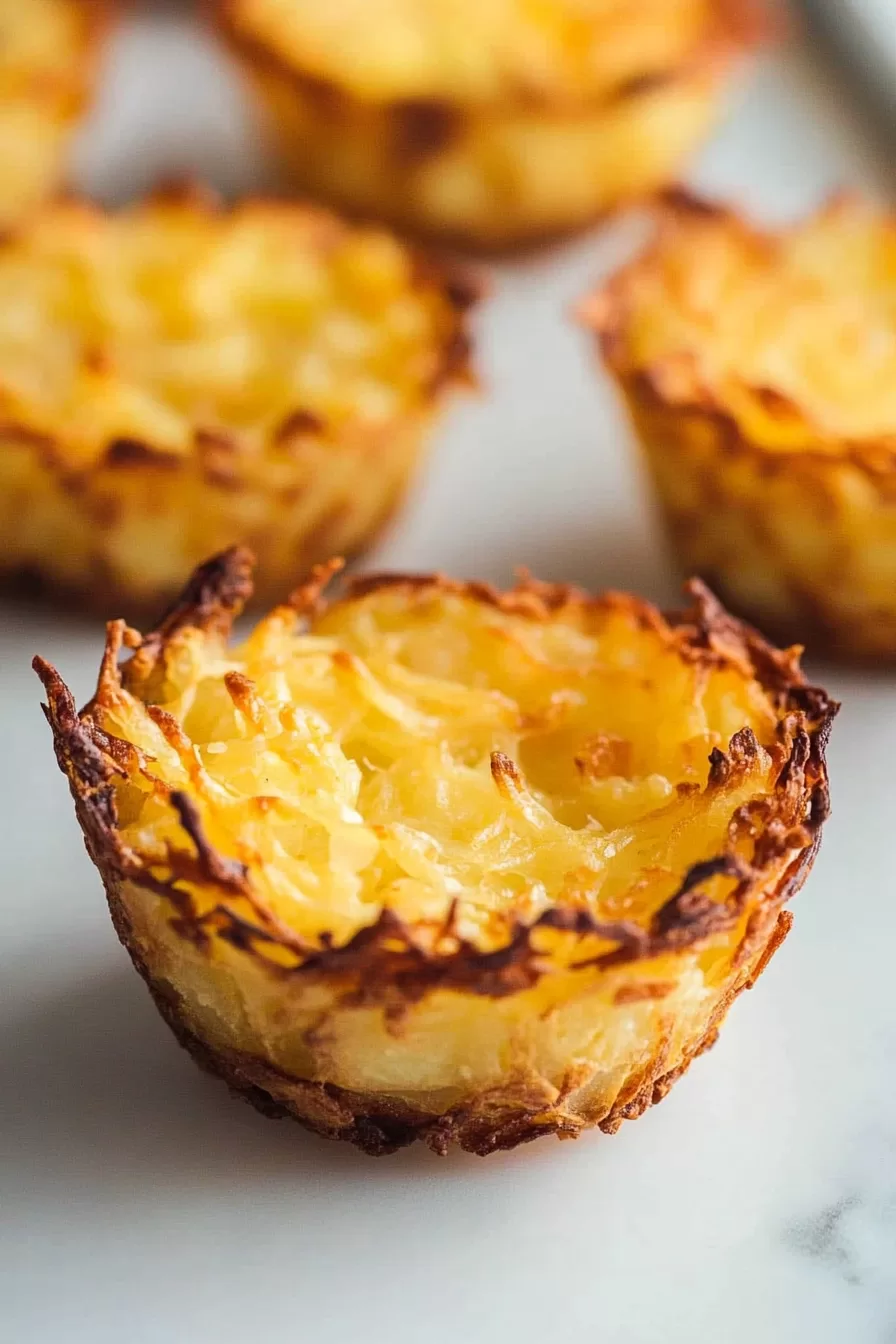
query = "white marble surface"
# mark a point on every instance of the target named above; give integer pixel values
(139, 1205)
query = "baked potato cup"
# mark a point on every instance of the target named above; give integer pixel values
(177, 378)
(491, 122)
(48, 56)
(760, 372)
(441, 862)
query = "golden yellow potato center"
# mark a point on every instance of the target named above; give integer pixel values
(422, 750)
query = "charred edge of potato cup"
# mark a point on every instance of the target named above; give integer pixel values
(499, 145)
(178, 377)
(485, 960)
(48, 61)
(758, 368)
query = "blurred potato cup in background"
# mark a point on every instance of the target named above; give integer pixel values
(440, 862)
(492, 123)
(176, 377)
(49, 50)
(759, 369)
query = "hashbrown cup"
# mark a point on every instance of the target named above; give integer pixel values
(758, 367)
(177, 377)
(492, 128)
(438, 862)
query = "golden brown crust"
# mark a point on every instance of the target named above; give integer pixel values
(380, 1126)
(826, 591)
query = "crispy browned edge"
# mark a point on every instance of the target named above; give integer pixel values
(219, 451)
(422, 127)
(387, 963)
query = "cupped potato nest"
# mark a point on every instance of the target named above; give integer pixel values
(177, 377)
(759, 368)
(440, 862)
(492, 122)
(49, 51)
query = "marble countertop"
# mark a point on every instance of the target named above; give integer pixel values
(757, 1205)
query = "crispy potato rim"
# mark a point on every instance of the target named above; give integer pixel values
(411, 957)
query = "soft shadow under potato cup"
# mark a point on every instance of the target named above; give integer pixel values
(176, 377)
(436, 861)
(493, 123)
(759, 368)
